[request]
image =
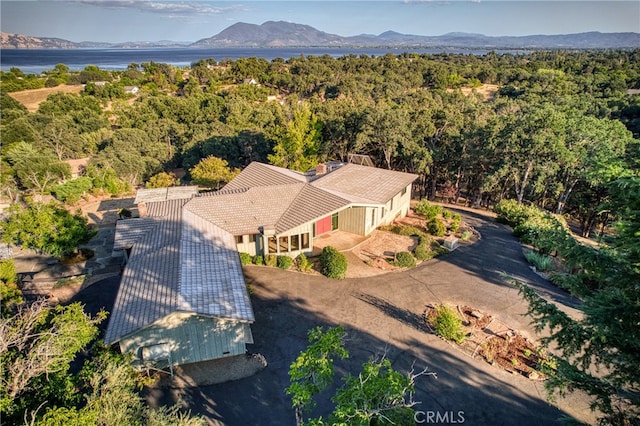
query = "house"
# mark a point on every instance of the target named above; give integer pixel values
(182, 296)
(131, 90)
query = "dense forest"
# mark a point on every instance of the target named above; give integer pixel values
(555, 130)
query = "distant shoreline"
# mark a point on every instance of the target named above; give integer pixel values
(35, 61)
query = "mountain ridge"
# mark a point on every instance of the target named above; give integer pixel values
(288, 34)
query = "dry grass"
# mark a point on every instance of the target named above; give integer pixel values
(31, 99)
(487, 91)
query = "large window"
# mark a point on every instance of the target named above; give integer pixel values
(295, 242)
(239, 239)
(284, 244)
(305, 240)
(273, 245)
(253, 238)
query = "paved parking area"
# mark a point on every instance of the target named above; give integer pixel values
(382, 315)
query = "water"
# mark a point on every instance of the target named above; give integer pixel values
(35, 61)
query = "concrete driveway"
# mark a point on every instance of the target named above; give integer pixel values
(382, 315)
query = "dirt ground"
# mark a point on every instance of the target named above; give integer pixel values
(487, 91)
(31, 99)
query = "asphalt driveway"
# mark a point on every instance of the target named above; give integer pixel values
(382, 315)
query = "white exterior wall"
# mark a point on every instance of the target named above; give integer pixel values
(397, 207)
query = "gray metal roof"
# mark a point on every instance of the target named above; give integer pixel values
(180, 264)
(163, 194)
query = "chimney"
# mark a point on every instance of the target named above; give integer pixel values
(321, 169)
(142, 209)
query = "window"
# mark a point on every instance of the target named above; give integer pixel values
(373, 217)
(295, 242)
(392, 204)
(305, 240)
(239, 239)
(273, 245)
(284, 244)
(253, 238)
(334, 221)
(404, 191)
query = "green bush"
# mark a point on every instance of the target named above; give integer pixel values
(333, 264)
(245, 258)
(428, 210)
(71, 191)
(455, 224)
(422, 251)
(404, 259)
(436, 227)
(540, 261)
(271, 260)
(284, 262)
(448, 325)
(446, 214)
(303, 263)
(466, 235)
(258, 260)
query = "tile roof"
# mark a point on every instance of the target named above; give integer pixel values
(362, 183)
(178, 263)
(260, 174)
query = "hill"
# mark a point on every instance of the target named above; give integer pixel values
(288, 34)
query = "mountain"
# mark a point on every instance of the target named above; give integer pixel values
(20, 41)
(270, 34)
(287, 34)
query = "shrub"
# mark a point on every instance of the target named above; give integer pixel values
(455, 224)
(466, 235)
(436, 227)
(71, 191)
(422, 251)
(258, 260)
(448, 325)
(333, 264)
(404, 259)
(428, 210)
(303, 263)
(446, 214)
(271, 260)
(408, 230)
(284, 262)
(245, 258)
(541, 262)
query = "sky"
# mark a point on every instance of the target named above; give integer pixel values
(116, 21)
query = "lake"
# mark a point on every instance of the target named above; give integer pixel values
(35, 61)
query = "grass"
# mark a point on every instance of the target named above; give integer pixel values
(541, 262)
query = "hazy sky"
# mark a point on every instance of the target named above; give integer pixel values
(154, 20)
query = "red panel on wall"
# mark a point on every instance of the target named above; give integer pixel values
(323, 225)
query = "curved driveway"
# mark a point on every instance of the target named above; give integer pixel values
(382, 315)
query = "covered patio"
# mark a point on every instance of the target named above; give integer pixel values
(340, 240)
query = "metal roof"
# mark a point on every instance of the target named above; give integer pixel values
(148, 195)
(179, 264)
